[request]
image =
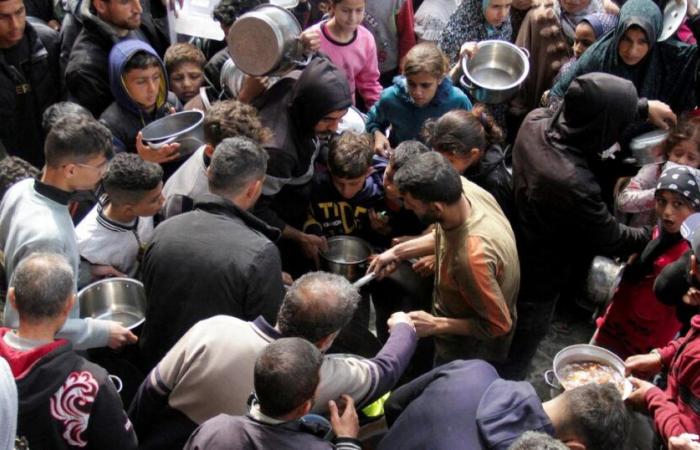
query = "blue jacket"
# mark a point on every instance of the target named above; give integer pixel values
(124, 117)
(396, 108)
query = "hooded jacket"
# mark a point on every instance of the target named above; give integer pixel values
(291, 108)
(65, 402)
(561, 217)
(396, 108)
(26, 91)
(124, 117)
(86, 72)
(435, 411)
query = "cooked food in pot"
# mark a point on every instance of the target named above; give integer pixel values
(580, 373)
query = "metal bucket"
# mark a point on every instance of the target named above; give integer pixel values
(265, 41)
(494, 75)
(347, 256)
(118, 299)
(184, 128)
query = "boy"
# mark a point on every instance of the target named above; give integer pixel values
(114, 234)
(185, 65)
(64, 400)
(139, 85)
(286, 377)
(342, 197)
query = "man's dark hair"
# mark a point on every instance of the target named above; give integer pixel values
(141, 60)
(429, 177)
(236, 162)
(12, 170)
(76, 139)
(286, 375)
(597, 415)
(59, 110)
(350, 155)
(405, 151)
(130, 178)
(227, 11)
(231, 118)
(533, 440)
(317, 305)
(43, 284)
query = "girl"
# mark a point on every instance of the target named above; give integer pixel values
(351, 47)
(682, 146)
(663, 71)
(636, 322)
(471, 141)
(423, 92)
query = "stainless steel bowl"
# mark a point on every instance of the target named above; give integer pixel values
(118, 299)
(184, 128)
(604, 277)
(347, 256)
(496, 72)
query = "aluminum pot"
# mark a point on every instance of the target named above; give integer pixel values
(347, 256)
(580, 353)
(265, 41)
(119, 299)
(604, 277)
(184, 128)
(496, 72)
(642, 146)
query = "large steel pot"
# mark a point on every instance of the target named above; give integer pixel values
(347, 256)
(580, 353)
(604, 277)
(265, 41)
(184, 128)
(496, 71)
(642, 146)
(118, 299)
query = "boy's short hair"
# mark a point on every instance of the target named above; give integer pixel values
(130, 178)
(597, 415)
(236, 162)
(141, 60)
(43, 283)
(405, 151)
(76, 139)
(12, 170)
(183, 52)
(429, 177)
(350, 155)
(53, 113)
(534, 440)
(231, 118)
(227, 11)
(286, 375)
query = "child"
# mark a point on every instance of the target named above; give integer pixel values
(635, 322)
(471, 140)
(682, 146)
(422, 93)
(342, 197)
(185, 65)
(112, 237)
(139, 84)
(351, 47)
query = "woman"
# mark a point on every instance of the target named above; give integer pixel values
(663, 71)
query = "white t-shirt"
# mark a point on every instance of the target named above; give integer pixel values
(102, 241)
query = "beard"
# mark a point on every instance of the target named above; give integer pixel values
(428, 218)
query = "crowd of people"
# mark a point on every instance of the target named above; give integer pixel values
(483, 220)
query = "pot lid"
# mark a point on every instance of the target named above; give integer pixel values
(674, 14)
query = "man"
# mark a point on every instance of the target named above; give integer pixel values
(476, 270)
(64, 400)
(34, 217)
(287, 374)
(210, 370)
(29, 81)
(217, 259)
(298, 112)
(105, 22)
(436, 411)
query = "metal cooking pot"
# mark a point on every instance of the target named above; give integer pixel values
(580, 353)
(347, 256)
(496, 72)
(265, 41)
(184, 128)
(119, 299)
(642, 146)
(604, 277)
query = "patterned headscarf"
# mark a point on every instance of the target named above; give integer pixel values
(681, 179)
(569, 21)
(601, 23)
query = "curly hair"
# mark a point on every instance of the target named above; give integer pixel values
(231, 118)
(12, 170)
(129, 178)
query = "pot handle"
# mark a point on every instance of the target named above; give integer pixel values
(157, 145)
(526, 51)
(117, 382)
(548, 374)
(305, 62)
(465, 83)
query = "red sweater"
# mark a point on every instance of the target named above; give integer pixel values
(677, 410)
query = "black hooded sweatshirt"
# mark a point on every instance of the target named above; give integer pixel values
(560, 214)
(291, 108)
